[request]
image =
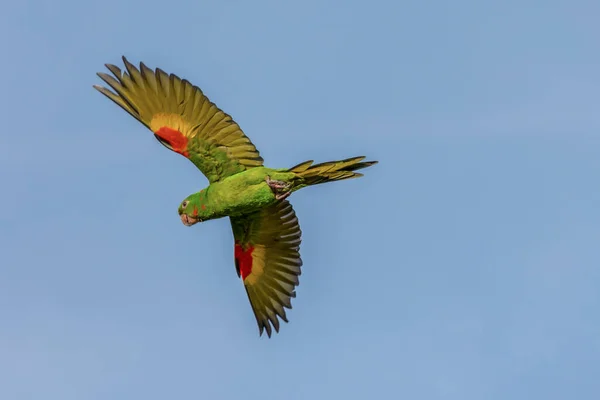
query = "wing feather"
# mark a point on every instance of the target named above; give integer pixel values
(267, 257)
(208, 136)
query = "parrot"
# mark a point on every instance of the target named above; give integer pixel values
(266, 231)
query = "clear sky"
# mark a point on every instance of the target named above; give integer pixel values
(466, 265)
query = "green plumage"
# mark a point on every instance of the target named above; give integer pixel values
(265, 227)
(248, 191)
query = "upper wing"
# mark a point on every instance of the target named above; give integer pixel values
(183, 119)
(267, 259)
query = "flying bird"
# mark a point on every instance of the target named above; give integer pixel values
(265, 228)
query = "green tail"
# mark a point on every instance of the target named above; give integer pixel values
(310, 174)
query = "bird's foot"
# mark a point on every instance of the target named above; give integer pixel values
(279, 188)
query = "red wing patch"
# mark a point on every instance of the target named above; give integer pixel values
(175, 139)
(243, 260)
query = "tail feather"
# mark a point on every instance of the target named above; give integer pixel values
(330, 171)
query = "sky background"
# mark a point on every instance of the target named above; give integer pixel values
(466, 265)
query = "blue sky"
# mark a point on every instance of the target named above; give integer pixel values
(464, 266)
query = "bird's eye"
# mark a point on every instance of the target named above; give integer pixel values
(184, 204)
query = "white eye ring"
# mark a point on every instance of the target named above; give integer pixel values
(184, 204)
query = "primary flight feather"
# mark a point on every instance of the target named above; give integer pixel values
(265, 228)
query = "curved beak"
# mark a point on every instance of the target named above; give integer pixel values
(188, 220)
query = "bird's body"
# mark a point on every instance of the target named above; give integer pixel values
(265, 228)
(239, 194)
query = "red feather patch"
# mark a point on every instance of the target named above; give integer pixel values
(174, 138)
(243, 260)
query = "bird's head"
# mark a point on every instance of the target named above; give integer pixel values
(193, 210)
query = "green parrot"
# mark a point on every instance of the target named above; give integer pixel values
(265, 228)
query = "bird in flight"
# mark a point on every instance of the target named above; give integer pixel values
(265, 228)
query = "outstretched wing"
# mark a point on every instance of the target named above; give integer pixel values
(182, 118)
(267, 259)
